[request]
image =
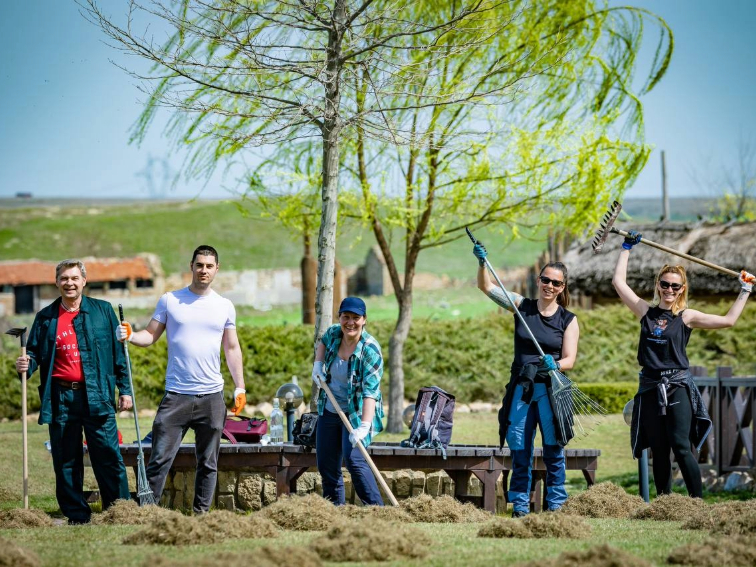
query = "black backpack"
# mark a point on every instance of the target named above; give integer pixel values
(431, 426)
(305, 429)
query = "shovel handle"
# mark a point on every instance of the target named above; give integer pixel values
(120, 312)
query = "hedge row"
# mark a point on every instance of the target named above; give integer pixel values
(468, 357)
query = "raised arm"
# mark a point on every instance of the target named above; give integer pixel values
(627, 295)
(698, 320)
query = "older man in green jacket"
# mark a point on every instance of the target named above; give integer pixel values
(72, 343)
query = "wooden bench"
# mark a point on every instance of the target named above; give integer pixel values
(286, 463)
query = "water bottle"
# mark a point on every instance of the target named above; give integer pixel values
(276, 424)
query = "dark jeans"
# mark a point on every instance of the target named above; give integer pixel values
(70, 417)
(205, 415)
(671, 432)
(332, 446)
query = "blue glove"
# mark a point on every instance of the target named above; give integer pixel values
(480, 253)
(633, 237)
(548, 362)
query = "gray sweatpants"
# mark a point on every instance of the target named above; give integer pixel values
(205, 414)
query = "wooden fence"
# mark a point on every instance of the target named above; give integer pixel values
(731, 446)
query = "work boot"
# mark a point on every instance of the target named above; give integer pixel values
(519, 514)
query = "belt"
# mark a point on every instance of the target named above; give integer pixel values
(68, 385)
(192, 395)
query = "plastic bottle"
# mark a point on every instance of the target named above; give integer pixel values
(276, 424)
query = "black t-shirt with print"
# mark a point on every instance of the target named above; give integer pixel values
(663, 341)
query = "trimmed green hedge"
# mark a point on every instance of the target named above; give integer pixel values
(468, 357)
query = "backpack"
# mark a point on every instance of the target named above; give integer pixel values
(431, 426)
(305, 429)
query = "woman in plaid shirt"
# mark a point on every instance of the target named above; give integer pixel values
(349, 359)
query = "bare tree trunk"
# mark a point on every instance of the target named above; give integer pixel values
(396, 362)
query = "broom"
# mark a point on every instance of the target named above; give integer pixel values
(571, 405)
(144, 492)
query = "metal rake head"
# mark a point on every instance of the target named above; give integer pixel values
(606, 226)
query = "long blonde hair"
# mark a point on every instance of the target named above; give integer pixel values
(682, 300)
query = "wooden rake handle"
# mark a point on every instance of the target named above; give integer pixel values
(680, 254)
(364, 452)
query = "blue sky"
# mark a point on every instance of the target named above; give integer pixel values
(66, 109)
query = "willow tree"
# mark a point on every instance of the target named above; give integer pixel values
(239, 74)
(560, 137)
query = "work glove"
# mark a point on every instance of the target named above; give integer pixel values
(240, 400)
(318, 374)
(633, 237)
(480, 252)
(360, 433)
(548, 363)
(746, 281)
(124, 331)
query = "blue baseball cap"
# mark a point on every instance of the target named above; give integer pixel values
(353, 305)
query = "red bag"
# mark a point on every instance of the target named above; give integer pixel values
(243, 429)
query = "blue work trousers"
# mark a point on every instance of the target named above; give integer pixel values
(520, 437)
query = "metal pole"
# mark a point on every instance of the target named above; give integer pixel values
(289, 423)
(665, 195)
(643, 475)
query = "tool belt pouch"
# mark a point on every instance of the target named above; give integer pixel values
(243, 429)
(305, 429)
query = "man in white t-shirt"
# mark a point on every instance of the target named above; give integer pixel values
(197, 321)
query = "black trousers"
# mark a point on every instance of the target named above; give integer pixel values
(667, 433)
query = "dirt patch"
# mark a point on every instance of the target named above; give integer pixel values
(12, 555)
(128, 512)
(387, 513)
(17, 518)
(442, 510)
(302, 513)
(174, 530)
(266, 556)
(600, 556)
(230, 525)
(671, 507)
(712, 515)
(603, 500)
(545, 525)
(378, 541)
(734, 551)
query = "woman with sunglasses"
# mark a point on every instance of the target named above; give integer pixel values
(528, 401)
(668, 412)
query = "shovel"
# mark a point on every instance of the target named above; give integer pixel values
(21, 332)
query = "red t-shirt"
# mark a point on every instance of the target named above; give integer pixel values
(67, 364)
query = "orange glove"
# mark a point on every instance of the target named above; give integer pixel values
(240, 400)
(746, 281)
(124, 331)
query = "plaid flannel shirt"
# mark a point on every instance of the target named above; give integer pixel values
(365, 373)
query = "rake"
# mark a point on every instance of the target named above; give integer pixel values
(571, 406)
(144, 492)
(20, 332)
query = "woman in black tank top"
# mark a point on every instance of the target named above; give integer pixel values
(669, 414)
(528, 402)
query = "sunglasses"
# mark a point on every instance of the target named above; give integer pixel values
(666, 285)
(555, 283)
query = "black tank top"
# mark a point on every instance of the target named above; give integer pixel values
(548, 331)
(663, 341)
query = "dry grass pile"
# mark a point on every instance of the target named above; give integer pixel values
(302, 513)
(742, 524)
(671, 507)
(603, 500)
(174, 530)
(547, 525)
(12, 555)
(714, 552)
(442, 510)
(129, 512)
(376, 541)
(237, 526)
(17, 518)
(387, 513)
(266, 556)
(7, 495)
(709, 516)
(600, 556)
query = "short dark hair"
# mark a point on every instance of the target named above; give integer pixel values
(205, 250)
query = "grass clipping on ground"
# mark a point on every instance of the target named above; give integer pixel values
(129, 512)
(736, 551)
(670, 508)
(603, 500)
(213, 527)
(12, 555)
(442, 510)
(265, 556)
(376, 540)
(302, 513)
(600, 556)
(387, 513)
(725, 517)
(545, 525)
(18, 518)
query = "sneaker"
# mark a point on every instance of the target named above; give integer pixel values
(519, 514)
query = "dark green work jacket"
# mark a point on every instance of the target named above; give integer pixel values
(103, 360)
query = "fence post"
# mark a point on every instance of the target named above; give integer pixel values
(722, 437)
